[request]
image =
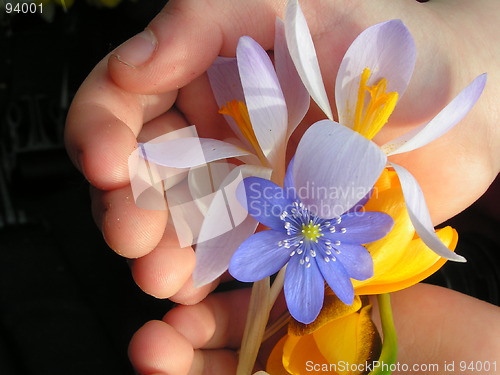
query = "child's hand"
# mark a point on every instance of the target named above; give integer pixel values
(155, 82)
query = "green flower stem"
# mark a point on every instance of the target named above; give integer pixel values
(389, 353)
(258, 315)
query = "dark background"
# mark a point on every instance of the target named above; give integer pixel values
(68, 304)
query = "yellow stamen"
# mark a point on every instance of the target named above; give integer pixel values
(311, 231)
(368, 121)
(239, 112)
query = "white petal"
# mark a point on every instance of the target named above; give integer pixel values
(189, 152)
(442, 123)
(296, 95)
(264, 98)
(226, 85)
(388, 50)
(301, 47)
(184, 212)
(149, 180)
(334, 168)
(419, 214)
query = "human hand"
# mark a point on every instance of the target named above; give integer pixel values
(125, 99)
(434, 327)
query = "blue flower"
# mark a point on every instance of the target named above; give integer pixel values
(305, 234)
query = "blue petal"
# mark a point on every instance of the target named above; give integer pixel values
(361, 227)
(304, 290)
(259, 256)
(264, 201)
(358, 206)
(337, 278)
(356, 260)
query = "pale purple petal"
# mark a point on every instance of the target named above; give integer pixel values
(264, 98)
(205, 180)
(189, 152)
(225, 81)
(213, 256)
(361, 227)
(449, 116)
(419, 214)
(334, 168)
(304, 290)
(301, 47)
(226, 225)
(259, 256)
(296, 95)
(264, 200)
(388, 50)
(337, 278)
(358, 206)
(288, 184)
(356, 260)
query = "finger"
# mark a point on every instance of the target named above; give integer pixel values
(129, 230)
(433, 323)
(189, 294)
(216, 322)
(102, 125)
(166, 271)
(168, 122)
(214, 362)
(157, 348)
(459, 158)
(196, 101)
(184, 39)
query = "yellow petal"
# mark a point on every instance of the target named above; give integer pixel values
(274, 364)
(387, 252)
(333, 308)
(349, 342)
(300, 353)
(388, 178)
(418, 262)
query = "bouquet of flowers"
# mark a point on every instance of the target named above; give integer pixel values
(337, 227)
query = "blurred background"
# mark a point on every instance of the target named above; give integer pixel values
(68, 304)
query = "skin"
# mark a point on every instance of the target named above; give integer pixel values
(120, 103)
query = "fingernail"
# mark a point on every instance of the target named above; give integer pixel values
(138, 50)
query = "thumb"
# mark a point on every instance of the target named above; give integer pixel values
(183, 40)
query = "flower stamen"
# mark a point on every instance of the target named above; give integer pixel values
(368, 121)
(311, 231)
(239, 112)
